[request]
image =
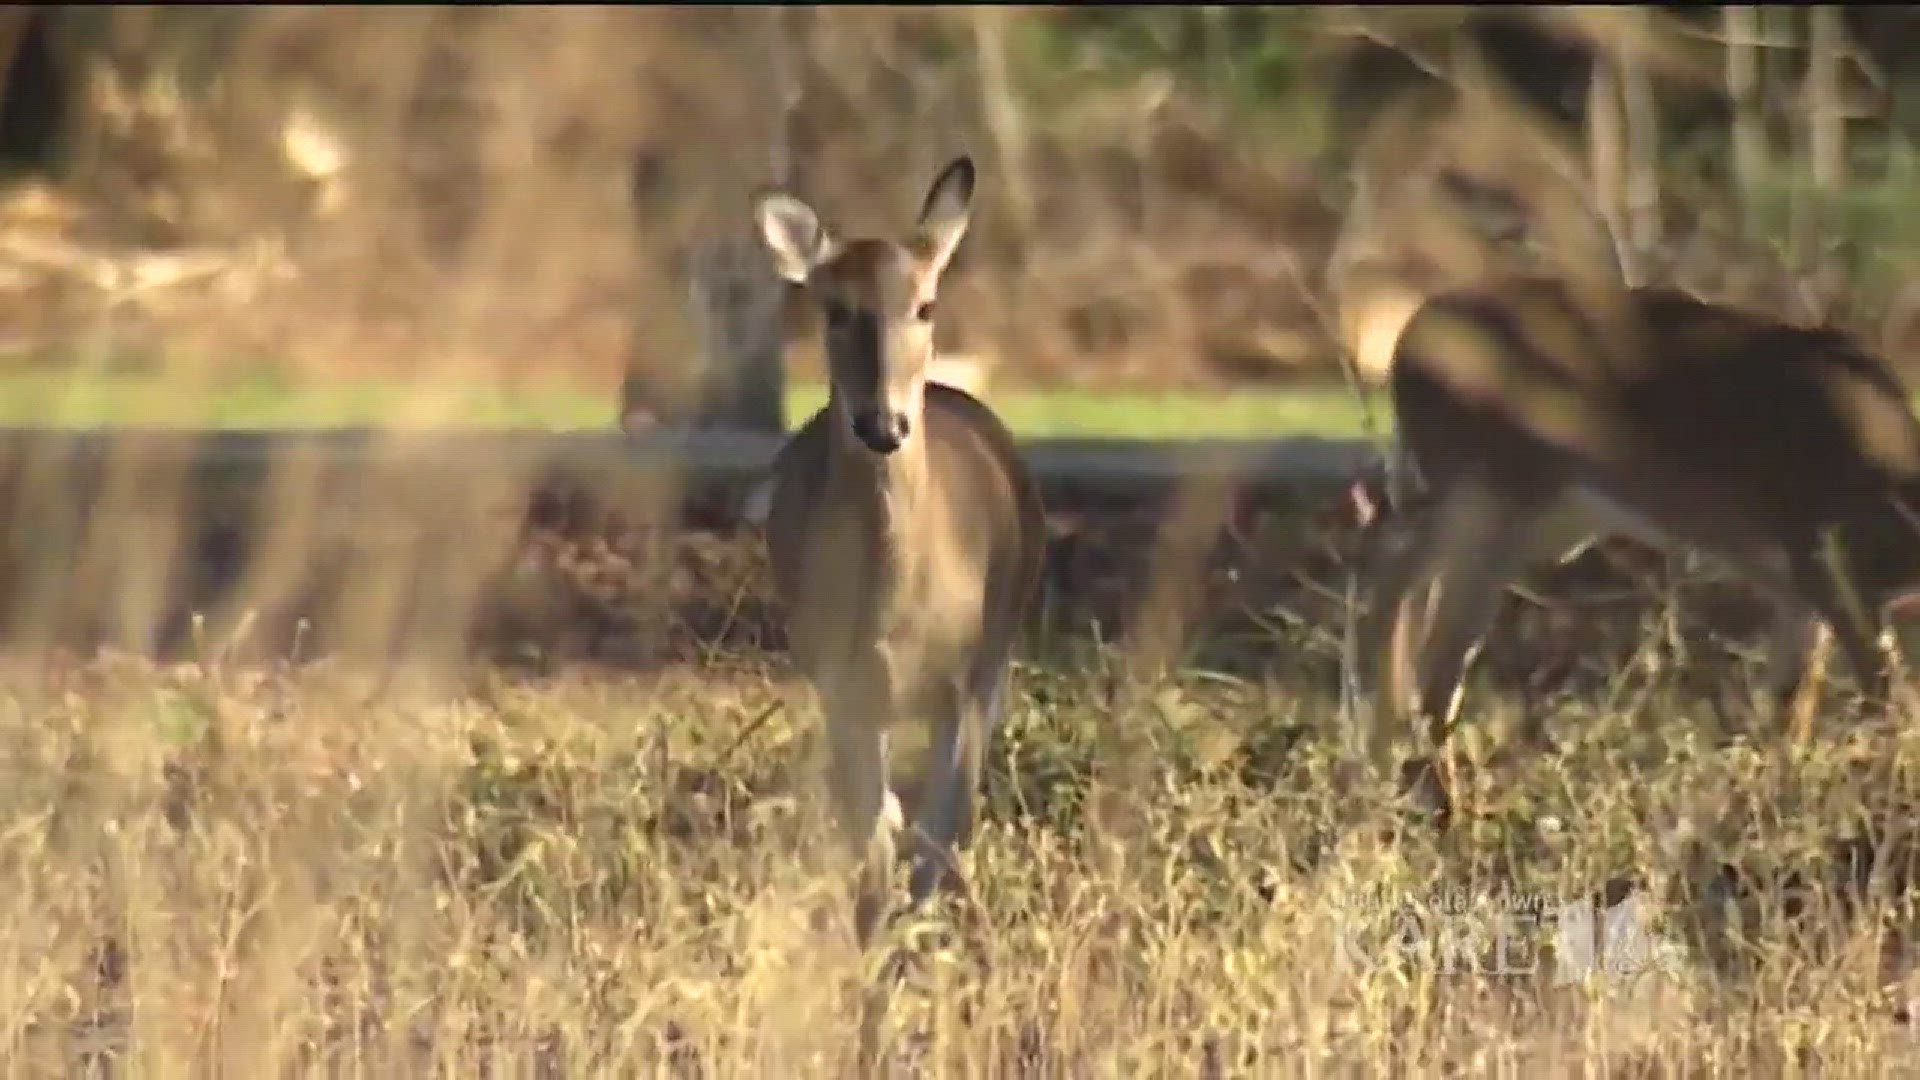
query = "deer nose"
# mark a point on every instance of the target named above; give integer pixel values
(882, 430)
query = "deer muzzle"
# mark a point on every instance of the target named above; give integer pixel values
(882, 430)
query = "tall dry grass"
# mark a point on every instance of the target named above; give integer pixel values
(270, 871)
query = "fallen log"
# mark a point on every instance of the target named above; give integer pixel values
(127, 537)
(712, 469)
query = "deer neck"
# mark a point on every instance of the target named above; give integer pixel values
(889, 492)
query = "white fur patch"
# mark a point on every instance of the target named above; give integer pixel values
(893, 817)
(758, 505)
(962, 372)
(1378, 331)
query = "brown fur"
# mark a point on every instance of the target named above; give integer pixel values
(906, 574)
(1664, 418)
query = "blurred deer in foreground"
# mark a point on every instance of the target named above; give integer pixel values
(905, 532)
(1788, 454)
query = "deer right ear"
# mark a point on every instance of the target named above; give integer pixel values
(793, 233)
(944, 214)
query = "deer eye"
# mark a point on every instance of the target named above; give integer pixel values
(924, 312)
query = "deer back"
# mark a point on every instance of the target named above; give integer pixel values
(1686, 409)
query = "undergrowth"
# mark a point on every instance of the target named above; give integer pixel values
(275, 870)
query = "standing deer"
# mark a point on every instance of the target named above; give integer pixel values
(905, 533)
(1788, 454)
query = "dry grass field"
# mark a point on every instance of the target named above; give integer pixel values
(221, 865)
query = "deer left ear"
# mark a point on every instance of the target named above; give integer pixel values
(944, 215)
(793, 233)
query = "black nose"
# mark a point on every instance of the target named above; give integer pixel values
(882, 430)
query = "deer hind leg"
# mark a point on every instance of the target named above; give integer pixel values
(1795, 638)
(857, 722)
(1795, 634)
(1825, 575)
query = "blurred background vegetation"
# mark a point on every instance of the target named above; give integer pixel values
(518, 208)
(318, 834)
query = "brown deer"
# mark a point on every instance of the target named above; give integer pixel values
(1787, 453)
(906, 535)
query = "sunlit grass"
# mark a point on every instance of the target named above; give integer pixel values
(52, 399)
(55, 399)
(1144, 414)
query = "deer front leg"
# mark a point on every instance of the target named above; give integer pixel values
(1380, 678)
(964, 725)
(857, 722)
(1482, 543)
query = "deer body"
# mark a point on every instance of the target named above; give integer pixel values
(906, 537)
(1786, 453)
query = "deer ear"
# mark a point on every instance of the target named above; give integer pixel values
(944, 215)
(793, 234)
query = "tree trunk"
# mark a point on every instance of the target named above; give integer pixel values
(13, 29)
(1642, 116)
(784, 36)
(1607, 156)
(1826, 116)
(734, 365)
(1823, 121)
(1004, 121)
(1741, 26)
